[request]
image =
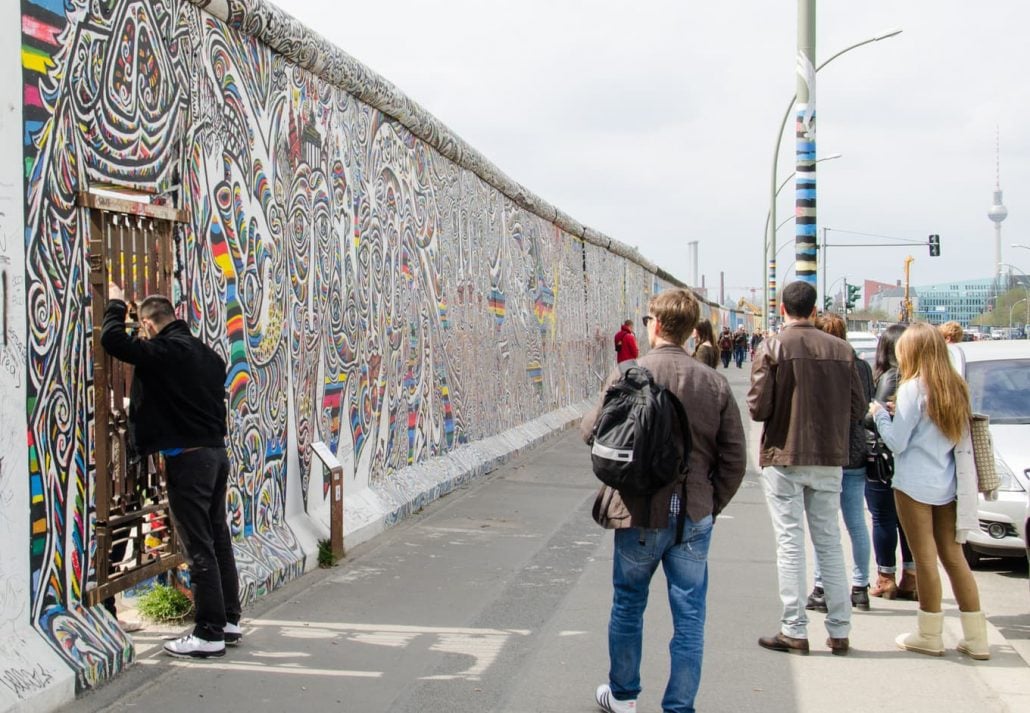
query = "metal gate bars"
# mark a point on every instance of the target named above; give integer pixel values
(131, 243)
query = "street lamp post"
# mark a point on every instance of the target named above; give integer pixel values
(768, 213)
(769, 266)
(1026, 279)
(1014, 307)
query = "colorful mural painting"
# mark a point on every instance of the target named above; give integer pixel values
(372, 282)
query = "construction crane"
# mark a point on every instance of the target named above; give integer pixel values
(906, 302)
(744, 304)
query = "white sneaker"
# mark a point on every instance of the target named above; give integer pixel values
(193, 647)
(233, 634)
(608, 703)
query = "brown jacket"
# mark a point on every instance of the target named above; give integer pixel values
(807, 390)
(718, 458)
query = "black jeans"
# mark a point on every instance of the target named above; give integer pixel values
(196, 493)
(887, 532)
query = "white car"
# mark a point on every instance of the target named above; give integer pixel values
(998, 374)
(864, 344)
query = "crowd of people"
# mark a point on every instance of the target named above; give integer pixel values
(826, 416)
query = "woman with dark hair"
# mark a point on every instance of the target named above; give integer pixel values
(879, 496)
(706, 351)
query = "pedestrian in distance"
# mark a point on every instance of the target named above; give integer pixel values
(952, 332)
(756, 339)
(673, 526)
(626, 343)
(852, 494)
(177, 409)
(706, 350)
(888, 533)
(726, 347)
(740, 344)
(806, 391)
(934, 485)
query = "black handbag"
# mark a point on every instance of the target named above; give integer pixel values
(879, 461)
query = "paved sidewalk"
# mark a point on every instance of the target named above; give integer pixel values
(496, 598)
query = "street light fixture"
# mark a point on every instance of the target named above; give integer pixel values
(770, 243)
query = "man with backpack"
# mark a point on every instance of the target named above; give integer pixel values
(726, 347)
(671, 526)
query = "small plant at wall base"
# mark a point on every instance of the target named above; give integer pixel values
(164, 604)
(326, 558)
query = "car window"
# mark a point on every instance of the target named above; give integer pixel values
(1000, 389)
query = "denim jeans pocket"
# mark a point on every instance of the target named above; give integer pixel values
(697, 537)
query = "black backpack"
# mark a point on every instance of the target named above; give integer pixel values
(641, 439)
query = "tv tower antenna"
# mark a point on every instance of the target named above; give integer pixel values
(998, 212)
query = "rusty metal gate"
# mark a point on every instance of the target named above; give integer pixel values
(131, 243)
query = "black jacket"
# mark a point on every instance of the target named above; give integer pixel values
(857, 439)
(177, 399)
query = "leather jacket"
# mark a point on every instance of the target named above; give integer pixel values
(806, 389)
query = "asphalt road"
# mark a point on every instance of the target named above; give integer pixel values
(496, 598)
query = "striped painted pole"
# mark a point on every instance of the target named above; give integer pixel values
(805, 197)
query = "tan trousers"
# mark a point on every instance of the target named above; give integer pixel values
(931, 534)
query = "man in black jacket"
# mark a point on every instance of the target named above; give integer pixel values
(177, 408)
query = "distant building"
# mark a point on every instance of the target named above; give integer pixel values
(961, 301)
(871, 288)
(889, 299)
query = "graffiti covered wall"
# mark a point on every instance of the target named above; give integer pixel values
(372, 282)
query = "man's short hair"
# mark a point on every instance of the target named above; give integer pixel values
(832, 323)
(628, 323)
(158, 309)
(952, 331)
(677, 310)
(799, 299)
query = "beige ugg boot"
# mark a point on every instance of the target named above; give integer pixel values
(927, 640)
(974, 635)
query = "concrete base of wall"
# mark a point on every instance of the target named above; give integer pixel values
(368, 513)
(33, 678)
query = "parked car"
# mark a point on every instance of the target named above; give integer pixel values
(998, 374)
(864, 344)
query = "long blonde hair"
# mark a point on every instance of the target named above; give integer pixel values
(923, 354)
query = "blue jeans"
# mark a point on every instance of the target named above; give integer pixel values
(637, 555)
(738, 355)
(852, 507)
(795, 494)
(887, 530)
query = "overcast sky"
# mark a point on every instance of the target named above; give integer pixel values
(655, 121)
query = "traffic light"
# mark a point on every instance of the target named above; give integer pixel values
(935, 245)
(827, 303)
(851, 299)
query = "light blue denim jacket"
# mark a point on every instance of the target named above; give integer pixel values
(924, 459)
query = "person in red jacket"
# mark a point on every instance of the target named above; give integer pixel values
(626, 343)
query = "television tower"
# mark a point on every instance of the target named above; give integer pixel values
(998, 211)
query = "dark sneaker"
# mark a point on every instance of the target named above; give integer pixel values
(838, 647)
(233, 634)
(817, 600)
(608, 702)
(860, 598)
(784, 643)
(193, 647)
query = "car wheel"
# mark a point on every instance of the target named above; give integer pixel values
(972, 557)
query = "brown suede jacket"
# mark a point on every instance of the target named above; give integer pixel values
(806, 388)
(719, 455)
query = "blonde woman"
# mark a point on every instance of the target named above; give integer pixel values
(934, 485)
